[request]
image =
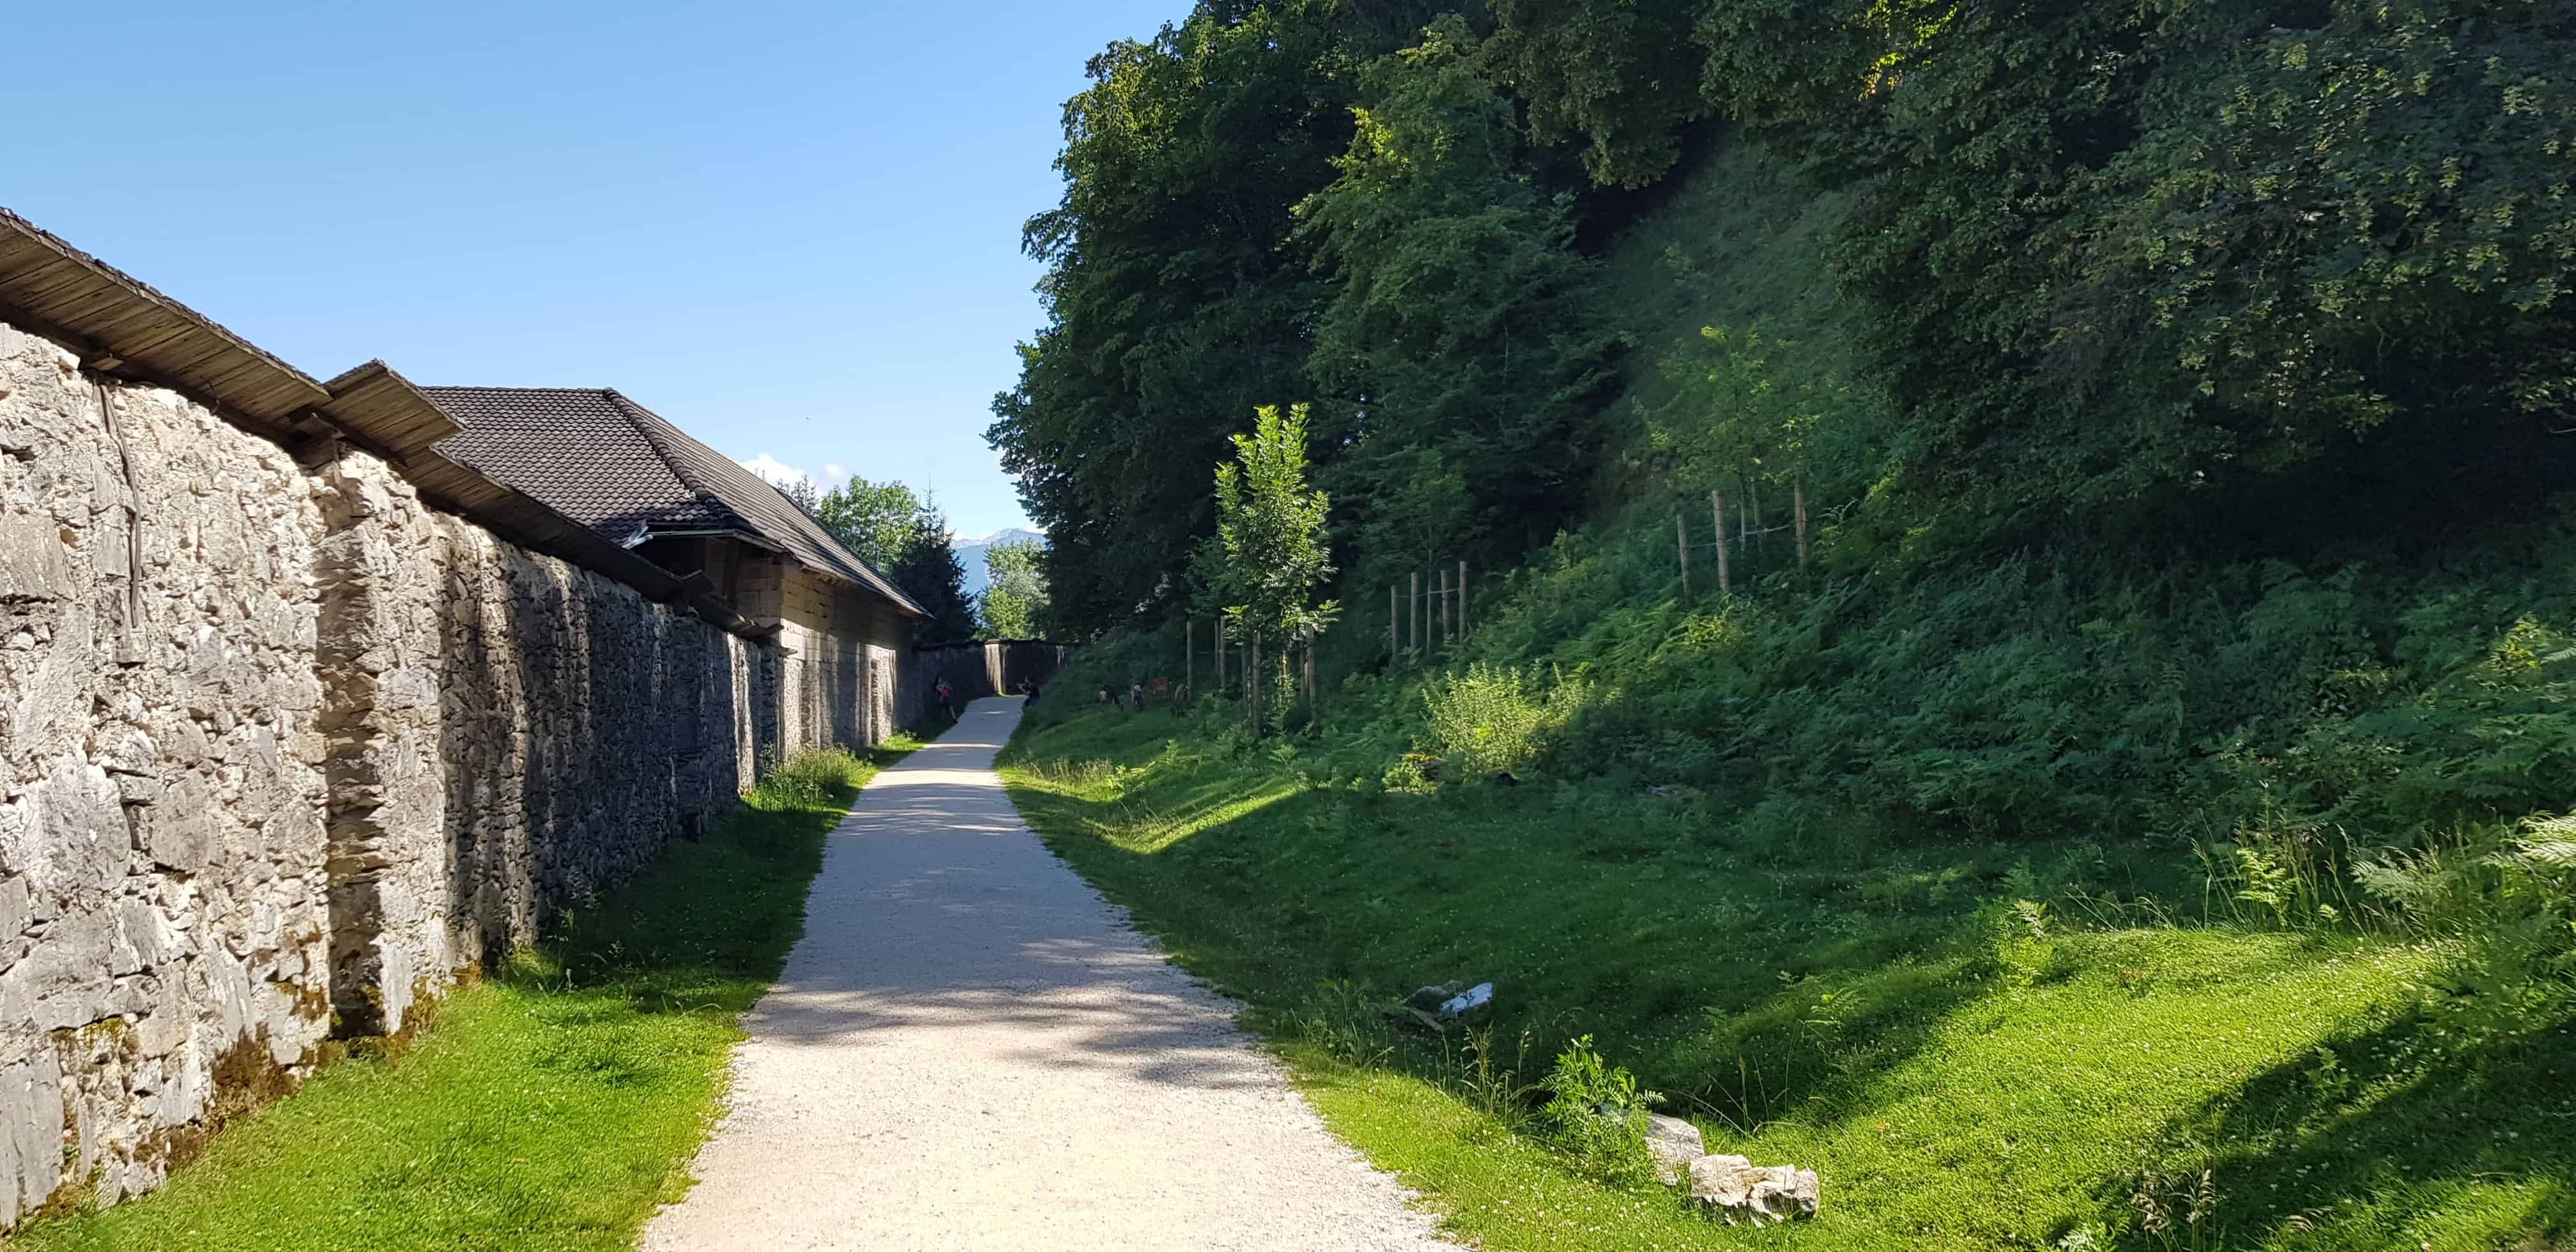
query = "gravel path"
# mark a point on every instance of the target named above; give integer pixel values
(971, 1051)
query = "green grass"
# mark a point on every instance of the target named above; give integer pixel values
(2130, 1074)
(552, 1106)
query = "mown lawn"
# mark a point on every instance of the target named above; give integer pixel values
(2113, 1072)
(553, 1106)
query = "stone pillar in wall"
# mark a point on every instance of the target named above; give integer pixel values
(387, 860)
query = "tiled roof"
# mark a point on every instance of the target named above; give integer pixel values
(621, 469)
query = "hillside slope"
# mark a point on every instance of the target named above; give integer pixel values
(2040, 899)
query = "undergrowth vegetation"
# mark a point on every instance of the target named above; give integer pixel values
(2052, 907)
(2024, 637)
(556, 1102)
(2055, 1040)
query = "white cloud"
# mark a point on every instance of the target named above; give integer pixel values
(776, 471)
(786, 475)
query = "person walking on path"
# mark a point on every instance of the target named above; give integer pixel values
(970, 1049)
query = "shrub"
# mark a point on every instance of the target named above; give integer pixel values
(1489, 720)
(1597, 1115)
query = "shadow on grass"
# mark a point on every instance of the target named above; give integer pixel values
(1643, 948)
(1878, 1006)
(2411, 1133)
(706, 925)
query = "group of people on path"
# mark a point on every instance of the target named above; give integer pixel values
(948, 697)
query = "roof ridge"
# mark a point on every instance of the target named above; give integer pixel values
(679, 466)
(569, 391)
(631, 411)
(659, 429)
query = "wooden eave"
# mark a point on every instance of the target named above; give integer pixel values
(125, 329)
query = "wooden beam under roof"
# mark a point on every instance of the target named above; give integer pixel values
(112, 316)
(122, 327)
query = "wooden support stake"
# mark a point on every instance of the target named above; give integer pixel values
(1681, 544)
(1415, 612)
(1717, 520)
(1394, 642)
(1252, 679)
(1219, 641)
(1798, 501)
(1462, 599)
(1312, 709)
(1744, 523)
(1440, 609)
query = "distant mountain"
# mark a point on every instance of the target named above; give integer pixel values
(970, 553)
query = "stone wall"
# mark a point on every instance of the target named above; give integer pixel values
(163, 899)
(282, 749)
(510, 731)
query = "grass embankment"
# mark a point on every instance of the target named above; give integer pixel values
(1964, 1074)
(551, 1106)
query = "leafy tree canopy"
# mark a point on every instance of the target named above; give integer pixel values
(905, 538)
(2233, 278)
(1015, 603)
(1271, 552)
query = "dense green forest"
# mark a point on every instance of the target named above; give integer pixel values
(2195, 281)
(2140, 437)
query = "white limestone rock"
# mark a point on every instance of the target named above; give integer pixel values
(31, 1134)
(81, 822)
(33, 565)
(1735, 1188)
(1675, 1144)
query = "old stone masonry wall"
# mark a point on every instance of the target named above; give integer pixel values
(283, 749)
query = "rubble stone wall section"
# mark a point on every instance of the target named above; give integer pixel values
(162, 884)
(281, 749)
(513, 732)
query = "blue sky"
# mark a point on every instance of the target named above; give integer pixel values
(792, 228)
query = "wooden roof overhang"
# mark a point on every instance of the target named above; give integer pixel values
(124, 329)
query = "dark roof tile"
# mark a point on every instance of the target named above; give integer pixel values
(621, 469)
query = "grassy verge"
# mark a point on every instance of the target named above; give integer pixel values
(552, 1106)
(2104, 1072)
